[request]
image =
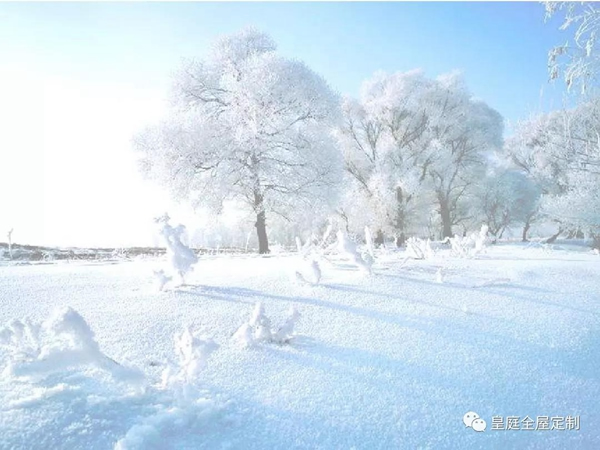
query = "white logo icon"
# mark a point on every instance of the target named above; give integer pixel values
(472, 419)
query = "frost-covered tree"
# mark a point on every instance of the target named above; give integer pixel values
(506, 196)
(250, 126)
(561, 152)
(578, 60)
(463, 130)
(382, 139)
(530, 150)
(412, 142)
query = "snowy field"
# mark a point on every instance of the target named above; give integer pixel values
(388, 361)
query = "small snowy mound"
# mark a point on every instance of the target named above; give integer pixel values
(258, 328)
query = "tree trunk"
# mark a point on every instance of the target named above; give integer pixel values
(400, 224)
(552, 239)
(525, 231)
(400, 240)
(379, 238)
(596, 241)
(261, 223)
(446, 220)
(261, 231)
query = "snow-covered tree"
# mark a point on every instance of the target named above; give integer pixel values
(412, 142)
(561, 152)
(505, 197)
(578, 60)
(382, 139)
(249, 126)
(463, 131)
(530, 150)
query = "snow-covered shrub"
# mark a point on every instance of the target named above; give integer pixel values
(180, 257)
(182, 401)
(348, 249)
(461, 246)
(369, 242)
(285, 333)
(480, 239)
(471, 245)
(307, 269)
(192, 352)
(258, 328)
(307, 272)
(161, 279)
(418, 248)
(439, 276)
(64, 341)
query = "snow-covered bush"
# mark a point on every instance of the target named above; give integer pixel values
(480, 239)
(64, 341)
(258, 328)
(308, 272)
(471, 245)
(369, 242)
(307, 269)
(348, 249)
(181, 400)
(161, 279)
(180, 257)
(418, 248)
(192, 352)
(439, 276)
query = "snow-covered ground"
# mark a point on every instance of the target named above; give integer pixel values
(388, 361)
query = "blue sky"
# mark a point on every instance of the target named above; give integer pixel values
(501, 47)
(77, 80)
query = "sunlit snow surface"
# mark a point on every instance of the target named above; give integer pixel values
(393, 360)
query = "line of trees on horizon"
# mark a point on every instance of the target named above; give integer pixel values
(265, 137)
